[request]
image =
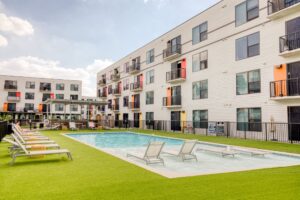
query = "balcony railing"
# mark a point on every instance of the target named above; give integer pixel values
(116, 91)
(13, 98)
(176, 75)
(135, 68)
(10, 87)
(136, 87)
(116, 108)
(103, 94)
(172, 101)
(172, 52)
(102, 82)
(134, 105)
(115, 77)
(278, 5)
(289, 42)
(285, 88)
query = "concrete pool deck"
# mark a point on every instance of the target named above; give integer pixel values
(208, 163)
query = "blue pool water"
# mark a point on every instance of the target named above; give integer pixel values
(122, 140)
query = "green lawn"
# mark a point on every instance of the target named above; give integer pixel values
(96, 175)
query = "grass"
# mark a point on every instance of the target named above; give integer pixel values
(96, 175)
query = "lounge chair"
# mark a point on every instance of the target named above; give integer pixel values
(223, 151)
(29, 137)
(72, 126)
(37, 153)
(28, 142)
(252, 152)
(185, 152)
(24, 132)
(152, 153)
(92, 125)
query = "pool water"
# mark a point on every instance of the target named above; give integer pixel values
(122, 143)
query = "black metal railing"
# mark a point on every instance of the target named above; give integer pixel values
(115, 77)
(136, 86)
(10, 87)
(5, 129)
(171, 51)
(134, 105)
(116, 91)
(134, 68)
(102, 82)
(277, 5)
(283, 88)
(289, 42)
(176, 74)
(172, 101)
(102, 94)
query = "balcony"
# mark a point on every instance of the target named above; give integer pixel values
(13, 98)
(135, 68)
(176, 76)
(172, 52)
(115, 77)
(136, 87)
(116, 92)
(285, 89)
(115, 108)
(134, 106)
(103, 94)
(102, 82)
(290, 44)
(10, 87)
(172, 102)
(281, 8)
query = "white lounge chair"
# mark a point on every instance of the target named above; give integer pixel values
(185, 152)
(37, 153)
(152, 153)
(29, 137)
(92, 125)
(25, 133)
(223, 151)
(72, 126)
(252, 152)
(28, 142)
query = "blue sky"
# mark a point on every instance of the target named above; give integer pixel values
(83, 36)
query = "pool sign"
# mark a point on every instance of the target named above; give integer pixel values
(212, 127)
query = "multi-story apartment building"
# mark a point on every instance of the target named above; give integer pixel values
(237, 61)
(24, 97)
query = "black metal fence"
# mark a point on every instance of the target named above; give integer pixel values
(289, 42)
(289, 87)
(277, 5)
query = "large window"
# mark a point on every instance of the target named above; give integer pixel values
(45, 86)
(126, 84)
(200, 61)
(150, 56)
(74, 87)
(126, 67)
(74, 108)
(60, 86)
(150, 77)
(29, 95)
(73, 97)
(200, 90)
(125, 101)
(29, 107)
(200, 118)
(59, 96)
(246, 11)
(149, 97)
(249, 119)
(248, 82)
(200, 33)
(30, 85)
(247, 46)
(149, 118)
(59, 107)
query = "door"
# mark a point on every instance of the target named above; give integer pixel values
(293, 33)
(175, 121)
(117, 120)
(125, 120)
(136, 119)
(176, 95)
(294, 123)
(293, 82)
(137, 101)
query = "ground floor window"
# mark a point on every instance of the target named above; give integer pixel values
(149, 118)
(249, 119)
(200, 118)
(59, 107)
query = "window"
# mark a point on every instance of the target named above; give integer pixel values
(247, 46)
(200, 118)
(73, 97)
(248, 82)
(59, 96)
(200, 61)
(74, 87)
(150, 77)
(200, 33)
(246, 11)
(60, 86)
(46, 96)
(29, 107)
(149, 118)
(109, 104)
(10, 85)
(45, 86)
(249, 119)
(200, 90)
(126, 84)
(30, 85)
(29, 96)
(150, 56)
(59, 107)
(126, 67)
(109, 90)
(125, 101)
(73, 108)
(149, 97)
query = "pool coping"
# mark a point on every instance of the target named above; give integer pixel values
(176, 175)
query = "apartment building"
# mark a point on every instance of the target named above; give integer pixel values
(237, 61)
(24, 97)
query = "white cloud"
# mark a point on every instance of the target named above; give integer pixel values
(15, 25)
(3, 41)
(37, 67)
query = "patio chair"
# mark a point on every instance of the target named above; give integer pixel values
(28, 142)
(223, 151)
(252, 152)
(72, 126)
(28, 137)
(152, 153)
(185, 152)
(37, 153)
(26, 132)
(92, 125)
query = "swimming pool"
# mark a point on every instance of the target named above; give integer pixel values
(119, 144)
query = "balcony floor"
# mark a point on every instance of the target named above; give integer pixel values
(284, 12)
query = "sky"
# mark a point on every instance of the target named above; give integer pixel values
(75, 39)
